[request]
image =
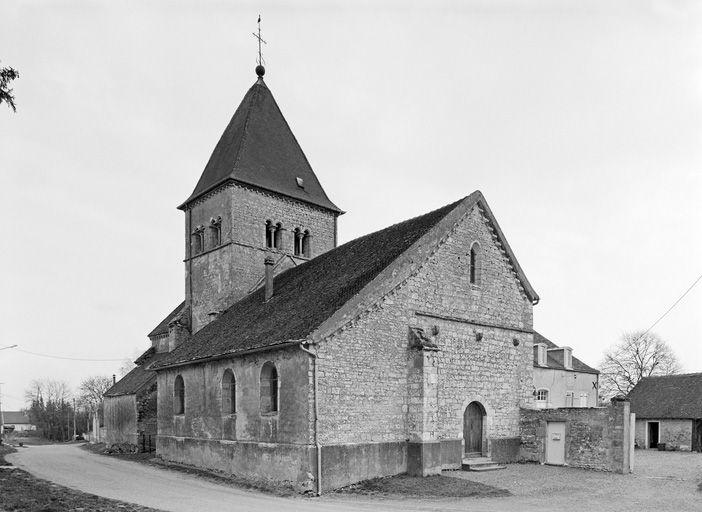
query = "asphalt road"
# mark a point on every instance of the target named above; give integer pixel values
(132, 482)
(661, 481)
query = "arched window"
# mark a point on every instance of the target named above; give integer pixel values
(198, 242)
(278, 236)
(298, 242)
(228, 393)
(215, 231)
(475, 263)
(269, 234)
(269, 388)
(306, 244)
(179, 396)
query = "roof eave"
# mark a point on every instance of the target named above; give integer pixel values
(184, 206)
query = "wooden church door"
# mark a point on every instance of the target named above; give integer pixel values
(473, 428)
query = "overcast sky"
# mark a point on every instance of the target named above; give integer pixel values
(580, 121)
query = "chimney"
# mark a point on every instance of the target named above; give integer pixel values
(269, 277)
(568, 358)
(114, 379)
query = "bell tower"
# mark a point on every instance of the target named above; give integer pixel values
(258, 197)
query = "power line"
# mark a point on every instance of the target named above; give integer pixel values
(671, 307)
(69, 358)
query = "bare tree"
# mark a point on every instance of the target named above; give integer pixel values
(7, 75)
(126, 367)
(637, 355)
(91, 390)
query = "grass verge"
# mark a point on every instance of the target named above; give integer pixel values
(434, 486)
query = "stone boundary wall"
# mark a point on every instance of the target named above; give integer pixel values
(595, 438)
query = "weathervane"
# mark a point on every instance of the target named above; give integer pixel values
(260, 70)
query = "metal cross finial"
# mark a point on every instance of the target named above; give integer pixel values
(258, 36)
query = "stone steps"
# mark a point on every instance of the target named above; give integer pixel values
(480, 464)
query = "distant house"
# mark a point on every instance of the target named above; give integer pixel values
(668, 410)
(130, 405)
(561, 380)
(17, 421)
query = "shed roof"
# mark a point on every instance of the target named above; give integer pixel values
(15, 418)
(669, 396)
(258, 148)
(140, 376)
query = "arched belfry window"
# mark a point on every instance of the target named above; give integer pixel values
(215, 231)
(269, 388)
(278, 236)
(306, 244)
(197, 240)
(228, 392)
(270, 229)
(475, 263)
(179, 396)
(297, 247)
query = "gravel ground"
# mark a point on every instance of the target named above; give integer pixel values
(661, 481)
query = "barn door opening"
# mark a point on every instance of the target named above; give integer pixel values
(473, 418)
(653, 434)
(697, 436)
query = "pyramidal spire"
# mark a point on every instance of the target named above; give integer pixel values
(259, 149)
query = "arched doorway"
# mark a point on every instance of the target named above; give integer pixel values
(473, 429)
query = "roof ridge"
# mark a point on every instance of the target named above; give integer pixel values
(673, 375)
(249, 109)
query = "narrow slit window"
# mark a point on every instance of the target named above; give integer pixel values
(228, 393)
(179, 395)
(475, 263)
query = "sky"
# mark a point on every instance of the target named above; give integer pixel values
(581, 123)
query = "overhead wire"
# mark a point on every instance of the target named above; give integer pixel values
(66, 358)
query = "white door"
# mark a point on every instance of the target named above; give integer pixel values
(555, 442)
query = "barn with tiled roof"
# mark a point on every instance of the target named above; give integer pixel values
(668, 411)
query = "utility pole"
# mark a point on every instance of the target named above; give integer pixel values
(74, 418)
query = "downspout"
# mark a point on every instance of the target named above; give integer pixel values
(318, 448)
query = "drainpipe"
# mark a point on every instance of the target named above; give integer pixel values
(318, 448)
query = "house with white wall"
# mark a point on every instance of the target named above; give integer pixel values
(561, 380)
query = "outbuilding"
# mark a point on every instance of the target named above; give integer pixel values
(668, 410)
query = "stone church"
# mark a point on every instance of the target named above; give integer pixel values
(297, 360)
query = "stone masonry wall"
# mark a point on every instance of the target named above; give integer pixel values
(219, 276)
(204, 436)
(363, 369)
(595, 438)
(676, 434)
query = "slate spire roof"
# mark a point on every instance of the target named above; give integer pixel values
(258, 148)
(313, 299)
